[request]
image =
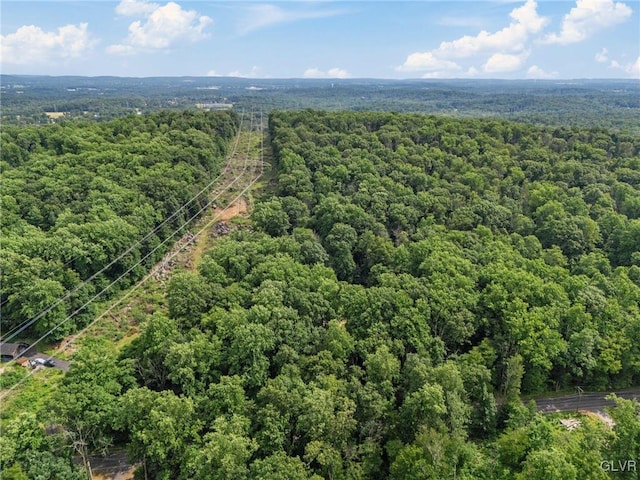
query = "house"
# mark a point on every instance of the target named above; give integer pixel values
(11, 351)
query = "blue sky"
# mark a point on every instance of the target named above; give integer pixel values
(323, 39)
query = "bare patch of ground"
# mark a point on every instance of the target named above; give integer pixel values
(239, 207)
(600, 416)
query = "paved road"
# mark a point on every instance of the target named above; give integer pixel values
(589, 401)
(115, 466)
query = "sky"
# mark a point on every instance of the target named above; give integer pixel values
(528, 39)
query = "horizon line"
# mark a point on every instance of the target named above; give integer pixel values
(332, 79)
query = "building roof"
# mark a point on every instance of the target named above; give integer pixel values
(12, 349)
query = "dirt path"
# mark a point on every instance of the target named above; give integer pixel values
(239, 172)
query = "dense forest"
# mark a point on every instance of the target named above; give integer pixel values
(517, 238)
(80, 198)
(405, 280)
(613, 104)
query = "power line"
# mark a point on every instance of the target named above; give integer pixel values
(27, 323)
(139, 261)
(150, 274)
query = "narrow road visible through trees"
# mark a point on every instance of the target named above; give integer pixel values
(587, 401)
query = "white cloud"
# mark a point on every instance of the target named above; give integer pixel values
(632, 68)
(435, 75)
(537, 72)
(588, 17)
(260, 16)
(426, 61)
(313, 73)
(135, 8)
(331, 73)
(504, 62)
(472, 72)
(163, 27)
(337, 73)
(524, 22)
(254, 73)
(32, 45)
(506, 47)
(602, 56)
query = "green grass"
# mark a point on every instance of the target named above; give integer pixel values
(32, 395)
(12, 375)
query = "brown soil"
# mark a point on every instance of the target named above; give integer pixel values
(238, 207)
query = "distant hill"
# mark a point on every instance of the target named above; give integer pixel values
(612, 104)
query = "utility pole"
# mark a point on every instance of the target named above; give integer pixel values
(580, 392)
